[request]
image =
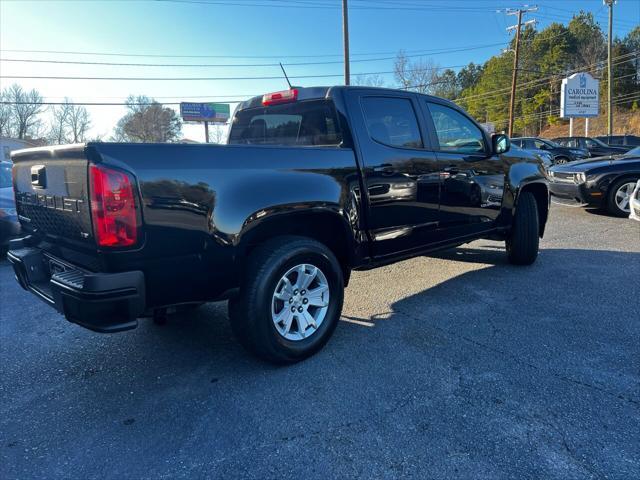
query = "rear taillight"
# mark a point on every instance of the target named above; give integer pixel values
(284, 96)
(113, 207)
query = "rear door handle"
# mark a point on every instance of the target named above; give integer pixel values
(384, 168)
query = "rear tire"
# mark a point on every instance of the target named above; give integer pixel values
(283, 264)
(523, 240)
(619, 195)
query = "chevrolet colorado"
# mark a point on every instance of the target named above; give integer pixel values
(314, 183)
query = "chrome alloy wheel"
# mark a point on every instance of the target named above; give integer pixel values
(300, 302)
(623, 195)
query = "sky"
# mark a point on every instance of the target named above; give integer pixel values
(236, 38)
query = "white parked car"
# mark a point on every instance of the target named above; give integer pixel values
(634, 203)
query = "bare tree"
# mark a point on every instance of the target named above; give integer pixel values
(79, 123)
(591, 52)
(59, 131)
(217, 133)
(25, 109)
(147, 121)
(368, 80)
(418, 76)
(5, 115)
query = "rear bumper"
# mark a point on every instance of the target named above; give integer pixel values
(102, 302)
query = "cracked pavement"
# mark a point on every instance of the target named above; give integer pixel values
(456, 366)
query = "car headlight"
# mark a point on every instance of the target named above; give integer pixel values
(580, 177)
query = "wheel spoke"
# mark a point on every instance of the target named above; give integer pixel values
(316, 296)
(288, 288)
(309, 319)
(283, 296)
(283, 316)
(624, 203)
(287, 323)
(304, 278)
(302, 325)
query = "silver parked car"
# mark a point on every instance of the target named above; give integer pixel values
(9, 226)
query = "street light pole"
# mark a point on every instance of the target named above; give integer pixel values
(514, 77)
(609, 3)
(345, 34)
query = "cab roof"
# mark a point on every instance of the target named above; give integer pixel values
(319, 93)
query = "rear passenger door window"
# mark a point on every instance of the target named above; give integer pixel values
(455, 132)
(392, 122)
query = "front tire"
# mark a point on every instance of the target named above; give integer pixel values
(523, 241)
(619, 196)
(290, 300)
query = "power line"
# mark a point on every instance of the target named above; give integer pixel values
(278, 77)
(410, 53)
(315, 5)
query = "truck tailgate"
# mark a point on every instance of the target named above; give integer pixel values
(52, 197)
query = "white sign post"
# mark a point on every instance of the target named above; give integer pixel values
(579, 98)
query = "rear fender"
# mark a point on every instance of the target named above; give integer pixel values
(325, 223)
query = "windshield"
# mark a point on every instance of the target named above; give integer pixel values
(599, 142)
(634, 151)
(292, 124)
(5, 175)
(550, 143)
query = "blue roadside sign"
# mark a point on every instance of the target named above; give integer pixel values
(205, 112)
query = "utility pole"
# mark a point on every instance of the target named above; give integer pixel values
(610, 4)
(512, 103)
(345, 35)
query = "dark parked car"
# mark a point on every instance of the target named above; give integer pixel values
(9, 226)
(627, 141)
(595, 147)
(600, 182)
(316, 182)
(558, 153)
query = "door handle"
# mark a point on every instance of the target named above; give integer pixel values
(384, 168)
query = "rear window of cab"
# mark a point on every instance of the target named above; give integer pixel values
(308, 123)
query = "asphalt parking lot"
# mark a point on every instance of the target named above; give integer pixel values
(459, 366)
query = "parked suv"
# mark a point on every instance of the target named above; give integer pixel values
(316, 182)
(628, 141)
(595, 147)
(558, 153)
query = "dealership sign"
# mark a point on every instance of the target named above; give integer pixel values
(205, 112)
(580, 96)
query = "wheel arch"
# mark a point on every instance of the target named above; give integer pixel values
(323, 225)
(621, 176)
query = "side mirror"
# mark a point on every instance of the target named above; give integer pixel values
(500, 143)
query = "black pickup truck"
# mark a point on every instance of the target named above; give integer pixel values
(314, 183)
